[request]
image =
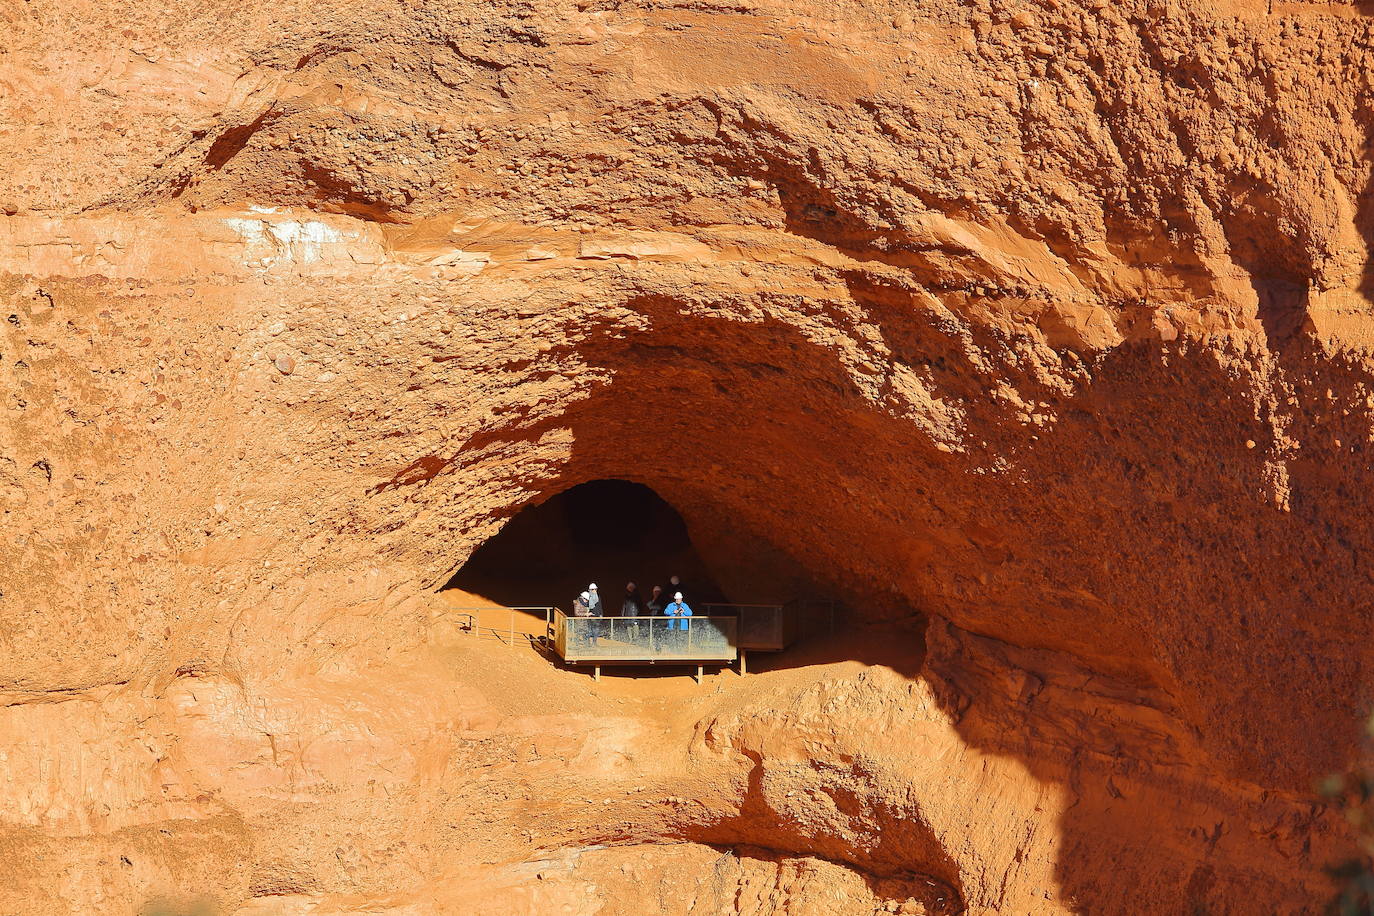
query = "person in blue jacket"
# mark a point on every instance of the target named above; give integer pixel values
(678, 610)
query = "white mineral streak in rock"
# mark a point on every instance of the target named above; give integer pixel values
(269, 242)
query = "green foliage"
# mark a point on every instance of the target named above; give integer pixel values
(1351, 793)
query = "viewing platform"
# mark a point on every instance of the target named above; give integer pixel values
(720, 636)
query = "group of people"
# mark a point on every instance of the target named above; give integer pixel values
(662, 603)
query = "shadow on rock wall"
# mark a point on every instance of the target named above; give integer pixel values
(1140, 551)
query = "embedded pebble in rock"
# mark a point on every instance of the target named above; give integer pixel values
(1037, 335)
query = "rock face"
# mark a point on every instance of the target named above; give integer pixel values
(1041, 327)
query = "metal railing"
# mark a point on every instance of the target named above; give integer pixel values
(762, 627)
(758, 627)
(505, 624)
(643, 639)
(722, 634)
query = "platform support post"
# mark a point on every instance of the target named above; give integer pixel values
(699, 673)
(743, 666)
(596, 673)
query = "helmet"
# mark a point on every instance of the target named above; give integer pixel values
(677, 596)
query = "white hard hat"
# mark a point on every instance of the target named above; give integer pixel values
(592, 586)
(585, 596)
(677, 596)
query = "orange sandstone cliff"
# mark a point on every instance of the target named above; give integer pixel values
(1036, 331)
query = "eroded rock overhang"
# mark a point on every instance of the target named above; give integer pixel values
(918, 447)
(1047, 323)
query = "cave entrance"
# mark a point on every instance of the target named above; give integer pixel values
(745, 595)
(606, 531)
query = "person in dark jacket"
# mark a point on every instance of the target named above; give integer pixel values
(655, 606)
(675, 585)
(597, 627)
(632, 605)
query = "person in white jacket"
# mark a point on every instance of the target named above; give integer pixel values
(582, 607)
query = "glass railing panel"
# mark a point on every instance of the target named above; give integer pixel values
(760, 625)
(560, 635)
(648, 638)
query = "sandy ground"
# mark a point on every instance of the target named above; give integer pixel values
(515, 674)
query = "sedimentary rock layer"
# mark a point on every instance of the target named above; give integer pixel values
(1046, 324)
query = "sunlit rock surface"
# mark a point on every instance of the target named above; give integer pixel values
(1036, 333)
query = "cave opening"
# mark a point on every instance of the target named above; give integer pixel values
(612, 530)
(607, 531)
